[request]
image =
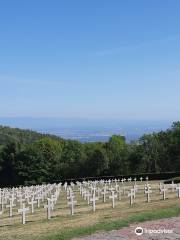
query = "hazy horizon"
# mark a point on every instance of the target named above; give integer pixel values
(88, 130)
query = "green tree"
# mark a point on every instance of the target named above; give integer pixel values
(40, 162)
(73, 158)
(97, 161)
(117, 152)
(8, 154)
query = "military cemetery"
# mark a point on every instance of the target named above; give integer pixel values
(24, 210)
(89, 120)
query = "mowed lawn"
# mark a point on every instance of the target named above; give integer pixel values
(64, 226)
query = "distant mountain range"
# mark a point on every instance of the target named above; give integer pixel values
(86, 130)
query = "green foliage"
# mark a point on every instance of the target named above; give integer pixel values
(28, 157)
(8, 163)
(97, 160)
(72, 159)
(117, 152)
(39, 162)
(8, 135)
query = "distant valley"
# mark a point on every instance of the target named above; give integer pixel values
(85, 130)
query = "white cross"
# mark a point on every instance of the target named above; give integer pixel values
(119, 191)
(70, 193)
(55, 196)
(163, 190)
(160, 186)
(93, 200)
(83, 193)
(135, 187)
(88, 195)
(49, 207)
(23, 210)
(148, 191)
(72, 203)
(80, 188)
(178, 189)
(131, 195)
(94, 189)
(104, 192)
(116, 187)
(113, 196)
(20, 200)
(1, 212)
(146, 186)
(65, 185)
(38, 198)
(27, 196)
(13, 197)
(98, 192)
(10, 206)
(122, 180)
(2, 203)
(173, 186)
(124, 190)
(53, 201)
(32, 202)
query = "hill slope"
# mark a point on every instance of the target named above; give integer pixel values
(8, 134)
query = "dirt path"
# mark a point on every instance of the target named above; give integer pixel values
(128, 233)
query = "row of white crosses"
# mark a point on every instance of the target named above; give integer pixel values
(90, 193)
(21, 197)
(131, 194)
(93, 189)
(27, 199)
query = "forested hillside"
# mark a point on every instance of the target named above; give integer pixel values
(27, 157)
(8, 135)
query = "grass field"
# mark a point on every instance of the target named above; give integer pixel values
(63, 226)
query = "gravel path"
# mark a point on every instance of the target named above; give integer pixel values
(128, 233)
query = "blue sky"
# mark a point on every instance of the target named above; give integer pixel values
(90, 59)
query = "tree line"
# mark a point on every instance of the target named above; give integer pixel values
(27, 157)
